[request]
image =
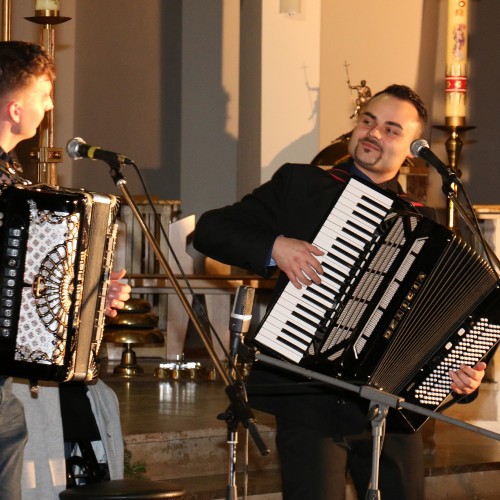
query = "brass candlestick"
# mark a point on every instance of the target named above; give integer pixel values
(453, 148)
(47, 155)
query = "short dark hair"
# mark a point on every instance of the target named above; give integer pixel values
(407, 94)
(21, 61)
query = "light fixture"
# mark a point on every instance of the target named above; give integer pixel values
(290, 7)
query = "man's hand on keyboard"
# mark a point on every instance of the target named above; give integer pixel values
(296, 258)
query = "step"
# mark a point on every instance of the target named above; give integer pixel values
(197, 452)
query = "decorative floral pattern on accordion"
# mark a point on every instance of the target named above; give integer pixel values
(50, 270)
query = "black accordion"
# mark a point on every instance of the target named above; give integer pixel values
(57, 246)
(402, 301)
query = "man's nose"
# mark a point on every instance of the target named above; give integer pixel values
(375, 132)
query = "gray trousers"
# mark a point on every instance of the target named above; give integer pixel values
(13, 437)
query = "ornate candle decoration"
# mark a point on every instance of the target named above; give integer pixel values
(456, 62)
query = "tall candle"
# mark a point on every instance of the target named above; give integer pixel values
(456, 62)
(46, 4)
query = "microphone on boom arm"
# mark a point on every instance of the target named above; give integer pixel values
(77, 149)
(420, 149)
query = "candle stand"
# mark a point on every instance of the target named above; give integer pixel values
(453, 148)
(47, 155)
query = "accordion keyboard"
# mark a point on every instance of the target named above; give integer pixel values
(292, 323)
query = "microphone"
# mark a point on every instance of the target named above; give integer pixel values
(77, 149)
(420, 148)
(240, 317)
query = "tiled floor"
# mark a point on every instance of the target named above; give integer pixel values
(149, 405)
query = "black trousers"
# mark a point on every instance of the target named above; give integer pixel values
(314, 463)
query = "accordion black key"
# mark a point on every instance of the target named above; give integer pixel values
(402, 301)
(57, 247)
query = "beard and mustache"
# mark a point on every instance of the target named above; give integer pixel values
(360, 145)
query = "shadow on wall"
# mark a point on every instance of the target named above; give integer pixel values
(304, 148)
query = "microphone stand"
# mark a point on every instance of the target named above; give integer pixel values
(380, 402)
(232, 422)
(239, 409)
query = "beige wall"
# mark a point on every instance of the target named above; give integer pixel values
(289, 85)
(380, 41)
(118, 87)
(166, 84)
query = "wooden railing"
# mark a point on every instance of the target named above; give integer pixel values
(200, 283)
(217, 293)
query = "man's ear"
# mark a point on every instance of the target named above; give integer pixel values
(14, 111)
